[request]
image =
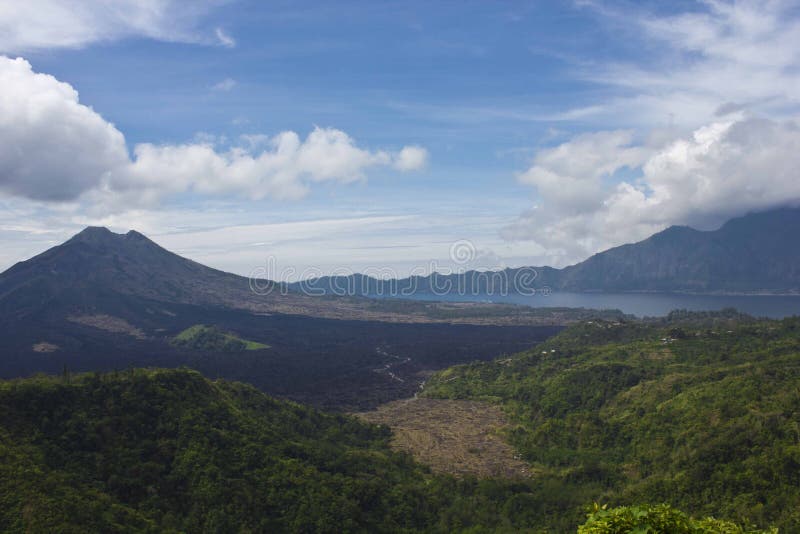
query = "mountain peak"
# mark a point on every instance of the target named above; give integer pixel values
(102, 235)
(94, 231)
(133, 234)
(674, 232)
(94, 235)
(98, 260)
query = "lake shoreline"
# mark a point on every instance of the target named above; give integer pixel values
(640, 304)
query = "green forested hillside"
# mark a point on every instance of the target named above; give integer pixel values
(170, 451)
(657, 519)
(700, 412)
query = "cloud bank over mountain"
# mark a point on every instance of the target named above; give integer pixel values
(721, 170)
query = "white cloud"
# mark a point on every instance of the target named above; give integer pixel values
(225, 85)
(51, 146)
(571, 174)
(724, 169)
(282, 169)
(411, 158)
(54, 148)
(746, 53)
(224, 39)
(39, 24)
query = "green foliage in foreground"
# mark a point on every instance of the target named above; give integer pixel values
(655, 520)
(211, 338)
(702, 413)
(615, 413)
(170, 451)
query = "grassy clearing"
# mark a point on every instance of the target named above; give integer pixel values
(451, 436)
(203, 337)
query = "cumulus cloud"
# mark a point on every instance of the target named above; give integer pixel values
(571, 174)
(52, 147)
(411, 158)
(281, 167)
(40, 24)
(721, 170)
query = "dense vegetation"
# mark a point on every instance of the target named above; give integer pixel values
(212, 338)
(170, 451)
(697, 411)
(655, 519)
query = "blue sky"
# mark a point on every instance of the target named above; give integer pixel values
(541, 132)
(386, 73)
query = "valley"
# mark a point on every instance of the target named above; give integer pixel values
(529, 414)
(604, 411)
(696, 410)
(105, 301)
(329, 363)
(551, 407)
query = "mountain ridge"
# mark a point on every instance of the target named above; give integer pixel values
(751, 254)
(99, 265)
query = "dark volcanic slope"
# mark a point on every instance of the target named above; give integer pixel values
(104, 301)
(98, 261)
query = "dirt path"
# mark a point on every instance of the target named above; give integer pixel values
(387, 368)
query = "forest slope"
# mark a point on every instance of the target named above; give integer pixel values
(170, 451)
(700, 414)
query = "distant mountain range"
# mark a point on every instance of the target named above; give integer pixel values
(99, 270)
(756, 253)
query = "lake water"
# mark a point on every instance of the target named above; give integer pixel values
(643, 304)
